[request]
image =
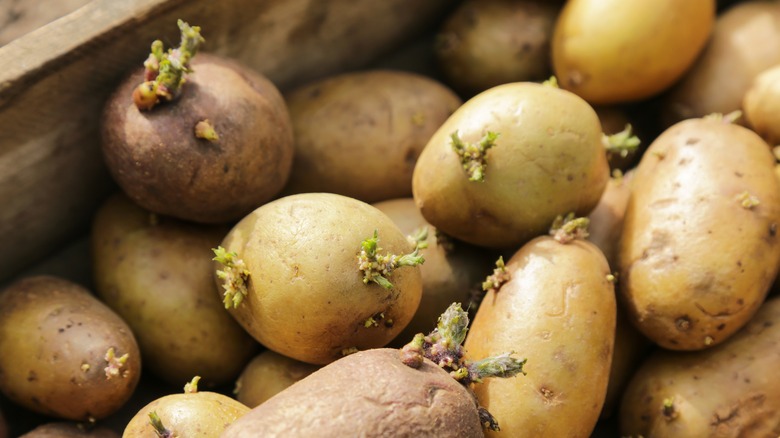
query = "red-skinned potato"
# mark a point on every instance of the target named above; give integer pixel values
(726, 391)
(369, 394)
(219, 149)
(63, 353)
(699, 247)
(555, 305)
(303, 275)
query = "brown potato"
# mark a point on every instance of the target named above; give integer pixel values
(64, 353)
(69, 430)
(156, 273)
(450, 272)
(745, 41)
(543, 157)
(158, 161)
(484, 43)
(268, 374)
(699, 247)
(359, 134)
(557, 309)
(305, 295)
(726, 391)
(762, 105)
(614, 51)
(367, 394)
(606, 220)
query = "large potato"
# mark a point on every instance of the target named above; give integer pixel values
(558, 310)
(156, 273)
(745, 41)
(544, 157)
(613, 51)
(359, 134)
(369, 394)
(699, 247)
(306, 297)
(63, 353)
(727, 391)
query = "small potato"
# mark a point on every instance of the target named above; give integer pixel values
(268, 374)
(63, 353)
(156, 273)
(359, 134)
(727, 391)
(485, 43)
(508, 162)
(191, 415)
(699, 247)
(369, 394)
(606, 220)
(298, 276)
(69, 430)
(450, 272)
(615, 51)
(557, 308)
(762, 105)
(745, 41)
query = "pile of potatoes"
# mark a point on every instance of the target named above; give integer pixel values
(277, 250)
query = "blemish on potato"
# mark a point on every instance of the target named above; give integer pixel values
(691, 141)
(683, 323)
(32, 376)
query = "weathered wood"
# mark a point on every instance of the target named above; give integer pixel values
(54, 80)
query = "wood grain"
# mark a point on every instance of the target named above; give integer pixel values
(54, 80)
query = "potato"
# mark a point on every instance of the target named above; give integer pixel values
(359, 134)
(156, 273)
(726, 391)
(557, 309)
(291, 272)
(267, 375)
(761, 105)
(484, 43)
(69, 430)
(63, 353)
(606, 220)
(745, 41)
(699, 247)
(541, 156)
(451, 271)
(156, 158)
(614, 51)
(191, 414)
(367, 394)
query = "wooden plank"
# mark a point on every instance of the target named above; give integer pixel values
(53, 82)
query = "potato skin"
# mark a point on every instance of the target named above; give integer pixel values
(369, 394)
(695, 263)
(192, 415)
(306, 297)
(450, 272)
(359, 134)
(726, 391)
(268, 374)
(54, 336)
(761, 105)
(548, 161)
(68, 430)
(745, 41)
(558, 311)
(485, 43)
(156, 273)
(157, 160)
(613, 51)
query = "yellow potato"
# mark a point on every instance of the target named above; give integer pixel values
(727, 391)
(268, 374)
(699, 247)
(613, 51)
(558, 311)
(762, 105)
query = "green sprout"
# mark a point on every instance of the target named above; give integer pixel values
(115, 363)
(376, 267)
(159, 428)
(473, 155)
(234, 277)
(164, 72)
(621, 143)
(499, 276)
(569, 228)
